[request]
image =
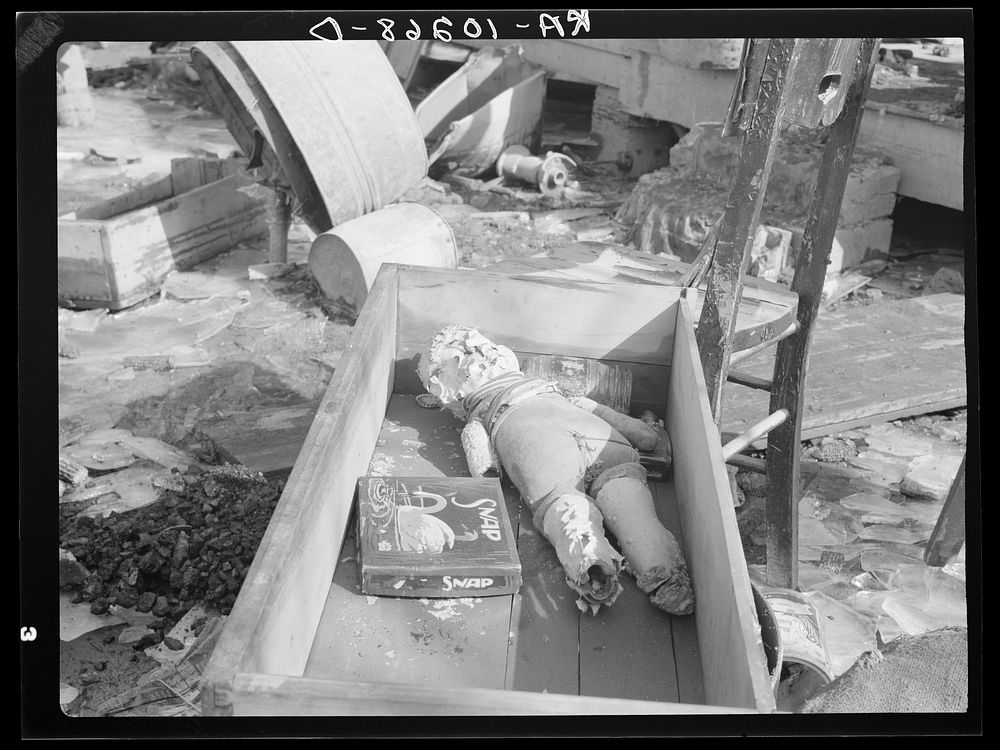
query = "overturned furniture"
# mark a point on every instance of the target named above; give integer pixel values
(303, 639)
(812, 83)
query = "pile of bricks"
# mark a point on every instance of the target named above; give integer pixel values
(671, 209)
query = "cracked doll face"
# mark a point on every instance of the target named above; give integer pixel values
(460, 360)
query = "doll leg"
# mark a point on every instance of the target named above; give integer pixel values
(651, 551)
(575, 528)
(545, 462)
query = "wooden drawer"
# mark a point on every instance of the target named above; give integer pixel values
(302, 639)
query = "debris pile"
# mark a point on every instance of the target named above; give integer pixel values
(671, 210)
(193, 545)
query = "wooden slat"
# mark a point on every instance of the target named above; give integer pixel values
(578, 58)
(614, 322)
(264, 440)
(274, 695)
(188, 173)
(653, 87)
(734, 666)
(627, 649)
(749, 463)
(929, 155)
(742, 441)
(870, 364)
(687, 654)
(274, 620)
(130, 201)
(544, 653)
(82, 269)
(765, 309)
(750, 381)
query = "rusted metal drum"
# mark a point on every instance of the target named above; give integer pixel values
(334, 117)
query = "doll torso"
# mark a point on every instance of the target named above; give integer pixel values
(550, 447)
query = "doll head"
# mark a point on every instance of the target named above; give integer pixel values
(460, 360)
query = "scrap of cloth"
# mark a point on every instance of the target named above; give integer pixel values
(926, 673)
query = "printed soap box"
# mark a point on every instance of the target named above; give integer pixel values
(435, 537)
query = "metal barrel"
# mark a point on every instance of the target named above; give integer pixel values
(344, 261)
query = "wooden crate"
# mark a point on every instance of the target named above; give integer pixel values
(302, 638)
(116, 253)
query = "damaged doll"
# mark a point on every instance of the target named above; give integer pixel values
(574, 461)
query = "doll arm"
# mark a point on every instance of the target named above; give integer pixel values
(637, 432)
(480, 454)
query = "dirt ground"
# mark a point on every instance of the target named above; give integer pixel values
(238, 345)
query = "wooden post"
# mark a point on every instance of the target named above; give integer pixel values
(717, 325)
(790, 358)
(279, 216)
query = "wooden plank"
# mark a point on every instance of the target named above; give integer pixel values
(614, 322)
(870, 364)
(699, 54)
(276, 614)
(750, 381)
(406, 640)
(687, 654)
(159, 190)
(930, 155)
(189, 173)
(264, 440)
(764, 310)
(81, 266)
(276, 695)
(627, 649)
(544, 652)
(654, 87)
(577, 58)
(733, 663)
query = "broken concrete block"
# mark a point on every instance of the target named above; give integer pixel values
(852, 245)
(870, 192)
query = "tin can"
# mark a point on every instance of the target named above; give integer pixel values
(805, 660)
